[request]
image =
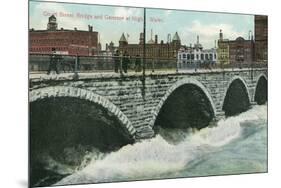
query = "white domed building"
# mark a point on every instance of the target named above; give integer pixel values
(195, 56)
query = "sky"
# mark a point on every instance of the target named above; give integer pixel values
(112, 21)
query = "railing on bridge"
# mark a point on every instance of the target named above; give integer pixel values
(40, 63)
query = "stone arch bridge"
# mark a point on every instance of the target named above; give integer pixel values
(137, 102)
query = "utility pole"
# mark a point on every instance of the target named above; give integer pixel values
(144, 46)
(144, 54)
(75, 76)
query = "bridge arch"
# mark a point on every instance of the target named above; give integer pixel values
(61, 91)
(260, 92)
(232, 103)
(67, 124)
(177, 85)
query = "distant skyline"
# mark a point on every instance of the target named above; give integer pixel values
(111, 22)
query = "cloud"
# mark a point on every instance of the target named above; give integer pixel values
(208, 33)
(128, 12)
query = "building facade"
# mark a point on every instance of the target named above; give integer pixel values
(154, 49)
(235, 51)
(241, 50)
(65, 41)
(223, 50)
(261, 38)
(188, 56)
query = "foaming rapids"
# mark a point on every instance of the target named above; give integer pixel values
(156, 157)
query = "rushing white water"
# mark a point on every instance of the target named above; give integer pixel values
(210, 151)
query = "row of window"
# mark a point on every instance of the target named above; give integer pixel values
(149, 51)
(58, 41)
(44, 49)
(191, 62)
(223, 57)
(40, 49)
(197, 57)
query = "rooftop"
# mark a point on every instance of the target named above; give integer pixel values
(123, 38)
(176, 37)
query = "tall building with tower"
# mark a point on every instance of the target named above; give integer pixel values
(223, 50)
(66, 41)
(52, 24)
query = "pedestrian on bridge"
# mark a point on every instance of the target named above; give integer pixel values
(138, 64)
(125, 61)
(54, 60)
(116, 60)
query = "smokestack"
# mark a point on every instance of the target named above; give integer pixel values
(141, 39)
(250, 34)
(169, 38)
(90, 28)
(156, 39)
(221, 35)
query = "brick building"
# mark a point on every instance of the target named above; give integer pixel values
(65, 41)
(154, 49)
(261, 37)
(239, 50)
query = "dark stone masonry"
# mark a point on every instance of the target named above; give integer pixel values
(137, 104)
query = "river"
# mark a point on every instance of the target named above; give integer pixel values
(234, 145)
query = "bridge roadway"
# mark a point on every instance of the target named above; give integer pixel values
(137, 102)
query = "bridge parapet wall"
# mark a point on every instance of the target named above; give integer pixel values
(139, 100)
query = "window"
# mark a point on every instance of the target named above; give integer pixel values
(183, 56)
(192, 56)
(188, 56)
(202, 56)
(197, 56)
